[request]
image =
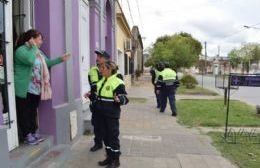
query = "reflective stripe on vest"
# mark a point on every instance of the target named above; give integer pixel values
(105, 88)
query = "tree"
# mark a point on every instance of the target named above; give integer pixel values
(246, 55)
(180, 50)
(256, 55)
(234, 58)
(163, 39)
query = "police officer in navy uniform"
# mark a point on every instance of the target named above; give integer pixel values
(109, 96)
(155, 72)
(168, 81)
(94, 76)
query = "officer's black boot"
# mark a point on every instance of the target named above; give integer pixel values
(114, 163)
(105, 162)
(95, 148)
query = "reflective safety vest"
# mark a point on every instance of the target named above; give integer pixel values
(106, 88)
(93, 75)
(157, 74)
(168, 76)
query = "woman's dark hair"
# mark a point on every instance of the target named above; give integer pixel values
(26, 36)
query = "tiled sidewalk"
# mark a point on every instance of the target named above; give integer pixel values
(150, 139)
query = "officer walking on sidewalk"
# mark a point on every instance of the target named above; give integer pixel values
(155, 73)
(168, 81)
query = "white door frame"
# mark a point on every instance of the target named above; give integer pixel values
(84, 85)
(12, 133)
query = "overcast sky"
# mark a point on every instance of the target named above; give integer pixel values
(219, 22)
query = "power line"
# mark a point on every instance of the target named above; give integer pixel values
(139, 12)
(244, 28)
(256, 24)
(129, 8)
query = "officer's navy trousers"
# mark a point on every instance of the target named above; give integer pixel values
(157, 97)
(110, 129)
(170, 94)
(98, 132)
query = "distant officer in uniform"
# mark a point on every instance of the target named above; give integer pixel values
(94, 76)
(169, 82)
(155, 72)
(110, 95)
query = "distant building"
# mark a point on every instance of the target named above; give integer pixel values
(137, 59)
(124, 44)
(215, 65)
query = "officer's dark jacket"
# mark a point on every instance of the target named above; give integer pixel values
(120, 76)
(93, 77)
(152, 72)
(103, 98)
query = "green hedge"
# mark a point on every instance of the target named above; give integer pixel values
(189, 81)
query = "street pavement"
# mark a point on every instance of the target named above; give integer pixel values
(249, 95)
(150, 139)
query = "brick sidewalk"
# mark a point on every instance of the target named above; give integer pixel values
(150, 139)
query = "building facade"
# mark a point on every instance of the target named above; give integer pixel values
(137, 60)
(75, 26)
(124, 45)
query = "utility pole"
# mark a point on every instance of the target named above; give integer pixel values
(205, 57)
(204, 66)
(219, 64)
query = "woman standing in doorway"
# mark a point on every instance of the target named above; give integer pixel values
(32, 83)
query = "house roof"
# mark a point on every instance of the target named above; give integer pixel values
(135, 30)
(120, 16)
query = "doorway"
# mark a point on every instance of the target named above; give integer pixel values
(7, 103)
(16, 17)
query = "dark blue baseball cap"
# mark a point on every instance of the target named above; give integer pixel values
(102, 53)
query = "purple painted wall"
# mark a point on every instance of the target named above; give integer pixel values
(42, 23)
(57, 48)
(106, 29)
(75, 53)
(50, 21)
(97, 30)
(94, 32)
(108, 24)
(92, 35)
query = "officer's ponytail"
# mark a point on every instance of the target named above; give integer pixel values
(111, 65)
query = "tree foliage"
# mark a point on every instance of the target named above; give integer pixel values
(245, 55)
(234, 58)
(180, 50)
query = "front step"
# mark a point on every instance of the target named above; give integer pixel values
(53, 158)
(26, 154)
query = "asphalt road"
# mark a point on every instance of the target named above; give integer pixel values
(250, 95)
